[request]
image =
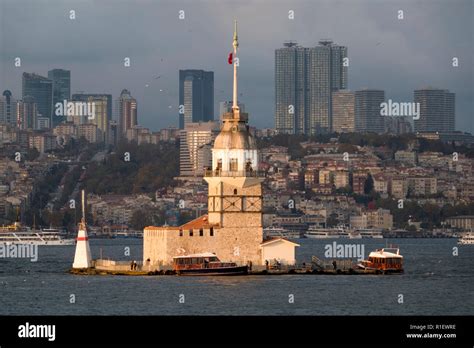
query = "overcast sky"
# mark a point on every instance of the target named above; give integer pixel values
(386, 53)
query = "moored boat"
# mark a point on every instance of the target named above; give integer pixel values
(18, 234)
(206, 264)
(385, 260)
(467, 239)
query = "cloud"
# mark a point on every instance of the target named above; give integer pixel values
(385, 52)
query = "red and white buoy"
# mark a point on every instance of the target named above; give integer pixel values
(82, 258)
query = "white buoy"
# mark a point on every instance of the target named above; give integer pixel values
(82, 258)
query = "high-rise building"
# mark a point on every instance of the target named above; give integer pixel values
(304, 80)
(7, 108)
(61, 90)
(196, 95)
(103, 112)
(437, 110)
(367, 111)
(343, 111)
(126, 112)
(27, 113)
(397, 124)
(193, 158)
(85, 97)
(41, 89)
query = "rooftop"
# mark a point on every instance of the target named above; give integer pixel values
(200, 222)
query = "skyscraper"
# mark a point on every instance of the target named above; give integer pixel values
(437, 110)
(61, 89)
(367, 111)
(26, 113)
(7, 108)
(41, 89)
(194, 155)
(343, 111)
(126, 111)
(304, 80)
(103, 112)
(84, 97)
(196, 94)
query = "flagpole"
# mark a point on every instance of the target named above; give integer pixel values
(235, 44)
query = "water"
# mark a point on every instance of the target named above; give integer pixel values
(434, 283)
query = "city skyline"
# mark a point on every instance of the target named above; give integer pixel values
(374, 56)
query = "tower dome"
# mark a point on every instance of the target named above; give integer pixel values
(235, 138)
(235, 149)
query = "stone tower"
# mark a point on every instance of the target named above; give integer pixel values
(232, 229)
(235, 190)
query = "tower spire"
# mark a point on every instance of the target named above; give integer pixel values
(235, 43)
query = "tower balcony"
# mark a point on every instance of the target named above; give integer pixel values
(234, 173)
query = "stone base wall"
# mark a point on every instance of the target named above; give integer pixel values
(238, 244)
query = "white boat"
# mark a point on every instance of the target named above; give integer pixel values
(370, 233)
(466, 239)
(34, 237)
(16, 234)
(325, 233)
(280, 232)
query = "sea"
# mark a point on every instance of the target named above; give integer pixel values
(438, 280)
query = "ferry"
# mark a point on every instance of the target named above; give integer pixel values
(206, 264)
(385, 260)
(466, 239)
(331, 233)
(17, 234)
(280, 232)
(325, 233)
(369, 233)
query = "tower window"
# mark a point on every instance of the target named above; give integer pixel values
(248, 166)
(233, 165)
(212, 231)
(235, 191)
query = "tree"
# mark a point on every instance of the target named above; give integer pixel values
(332, 220)
(368, 184)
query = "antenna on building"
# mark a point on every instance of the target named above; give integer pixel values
(290, 43)
(325, 42)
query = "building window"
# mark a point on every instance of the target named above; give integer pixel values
(201, 232)
(233, 165)
(212, 231)
(180, 233)
(190, 232)
(235, 191)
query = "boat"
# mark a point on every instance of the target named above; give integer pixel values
(325, 233)
(369, 233)
(205, 264)
(280, 232)
(128, 234)
(18, 234)
(385, 260)
(466, 239)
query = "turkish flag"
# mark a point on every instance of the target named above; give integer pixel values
(229, 60)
